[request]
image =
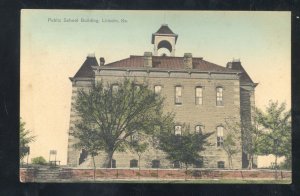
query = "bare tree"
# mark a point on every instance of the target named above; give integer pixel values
(232, 139)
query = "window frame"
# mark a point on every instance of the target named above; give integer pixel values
(197, 98)
(155, 163)
(133, 163)
(219, 96)
(221, 164)
(180, 129)
(220, 137)
(113, 163)
(201, 128)
(178, 98)
(176, 165)
(115, 88)
(157, 93)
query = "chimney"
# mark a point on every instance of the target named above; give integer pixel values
(188, 60)
(102, 61)
(234, 64)
(148, 59)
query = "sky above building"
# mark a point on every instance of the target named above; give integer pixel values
(55, 43)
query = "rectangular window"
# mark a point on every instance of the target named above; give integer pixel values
(115, 88)
(113, 163)
(155, 163)
(133, 163)
(219, 96)
(198, 96)
(157, 89)
(135, 137)
(178, 95)
(221, 164)
(137, 87)
(220, 134)
(199, 129)
(177, 130)
(177, 164)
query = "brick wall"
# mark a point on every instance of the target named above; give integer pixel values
(68, 174)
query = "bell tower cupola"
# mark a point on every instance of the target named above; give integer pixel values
(164, 38)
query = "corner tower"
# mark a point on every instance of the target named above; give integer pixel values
(164, 38)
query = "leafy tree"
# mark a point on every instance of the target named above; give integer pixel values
(139, 146)
(184, 148)
(88, 139)
(232, 139)
(25, 139)
(276, 123)
(117, 111)
(39, 160)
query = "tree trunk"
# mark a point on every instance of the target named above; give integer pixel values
(250, 162)
(139, 166)
(108, 163)
(94, 167)
(186, 167)
(229, 162)
(275, 166)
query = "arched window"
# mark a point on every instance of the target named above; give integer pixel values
(155, 163)
(133, 163)
(198, 96)
(219, 97)
(199, 129)
(221, 164)
(220, 134)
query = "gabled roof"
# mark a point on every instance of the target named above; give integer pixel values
(170, 63)
(86, 68)
(164, 30)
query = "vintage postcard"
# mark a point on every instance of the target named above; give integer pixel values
(155, 96)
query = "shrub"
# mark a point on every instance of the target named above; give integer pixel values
(39, 160)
